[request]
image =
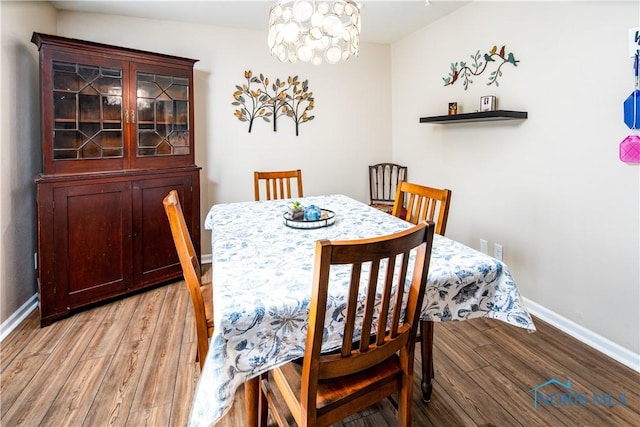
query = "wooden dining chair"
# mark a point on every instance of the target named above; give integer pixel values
(376, 357)
(416, 203)
(277, 184)
(383, 183)
(201, 293)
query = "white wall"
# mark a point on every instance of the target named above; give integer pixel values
(351, 128)
(20, 148)
(550, 189)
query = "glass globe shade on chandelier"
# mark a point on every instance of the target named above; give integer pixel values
(313, 31)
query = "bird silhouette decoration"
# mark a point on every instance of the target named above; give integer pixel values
(464, 71)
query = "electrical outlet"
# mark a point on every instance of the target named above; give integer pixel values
(483, 246)
(497, 251)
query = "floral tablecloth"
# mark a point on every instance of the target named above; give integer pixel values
(262, 272)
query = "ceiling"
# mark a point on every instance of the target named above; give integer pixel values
(382, 21)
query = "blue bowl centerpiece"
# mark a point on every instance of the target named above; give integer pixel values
(312, 213)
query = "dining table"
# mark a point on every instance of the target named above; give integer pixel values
(262, 268)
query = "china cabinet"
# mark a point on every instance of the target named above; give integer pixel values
(117, 136)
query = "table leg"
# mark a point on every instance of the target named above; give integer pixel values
(251, 401)
(426, 345)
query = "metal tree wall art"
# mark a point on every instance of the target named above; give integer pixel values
(299, 103)
(253, 103)
(465, 71)
(290, 98)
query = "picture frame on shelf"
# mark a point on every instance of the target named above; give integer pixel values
(488, 103)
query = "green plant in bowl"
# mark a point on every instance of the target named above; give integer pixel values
(296, 210)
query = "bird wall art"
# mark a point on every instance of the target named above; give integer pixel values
(464, 71)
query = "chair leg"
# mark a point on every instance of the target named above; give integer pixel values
(426, 346)
(263, 404)
(405, 394)
(251, 401)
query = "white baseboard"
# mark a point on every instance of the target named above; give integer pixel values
(598, 342)
(18, 316)
(206, 259)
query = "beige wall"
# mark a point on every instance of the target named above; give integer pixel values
(550, 189)
(20, 148)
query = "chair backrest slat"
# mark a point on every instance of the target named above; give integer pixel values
(397, 304)
(386, 301)
(372, 284)
(347, 341)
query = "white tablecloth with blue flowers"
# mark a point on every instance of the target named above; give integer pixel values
(262, 272)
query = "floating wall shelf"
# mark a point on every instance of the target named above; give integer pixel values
(483, 116)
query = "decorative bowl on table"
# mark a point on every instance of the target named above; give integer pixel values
(309, 218)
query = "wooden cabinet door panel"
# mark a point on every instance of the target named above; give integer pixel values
(83, 97)
(163, 129)
(92, 239)
(155, 257)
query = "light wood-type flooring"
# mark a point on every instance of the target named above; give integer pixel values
(132, 363)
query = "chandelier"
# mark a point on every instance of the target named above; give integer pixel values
(313, 31)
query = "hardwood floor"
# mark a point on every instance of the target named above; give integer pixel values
(132, 362)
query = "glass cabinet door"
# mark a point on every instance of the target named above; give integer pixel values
(163, 115)
(87, 111)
